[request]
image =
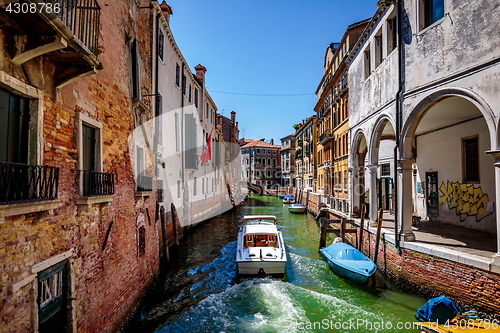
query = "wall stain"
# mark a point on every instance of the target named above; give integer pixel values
(465, 199)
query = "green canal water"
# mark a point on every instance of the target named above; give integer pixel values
(205, 295)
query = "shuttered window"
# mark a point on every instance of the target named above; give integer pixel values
(470, 159)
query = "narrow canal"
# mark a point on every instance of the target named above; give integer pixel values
(204, 294)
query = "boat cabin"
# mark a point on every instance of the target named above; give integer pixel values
(261, 240)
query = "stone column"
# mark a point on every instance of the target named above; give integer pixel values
(373, 192)
(405, 174)
(495, 264)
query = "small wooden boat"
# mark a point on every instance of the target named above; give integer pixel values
(345, 260)
(297, 208)
(260, 247)
(289, 198)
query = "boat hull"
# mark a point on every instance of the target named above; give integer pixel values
(297, 209)
(339, 270)
(346, 261)
(275, 268)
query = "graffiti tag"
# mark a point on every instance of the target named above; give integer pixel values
(465, 199)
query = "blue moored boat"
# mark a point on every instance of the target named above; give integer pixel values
(345, 260)
(289, 198)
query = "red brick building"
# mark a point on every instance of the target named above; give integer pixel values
(79, 240)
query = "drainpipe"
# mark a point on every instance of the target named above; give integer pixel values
(398, 122)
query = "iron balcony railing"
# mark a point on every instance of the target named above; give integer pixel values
(144, 184)
(83, 18)
(24, 183)
(327, 135)
(95, 183)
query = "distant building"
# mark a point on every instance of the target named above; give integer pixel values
(287, 160)
(261, 163)
(332, 121)
(305, 155)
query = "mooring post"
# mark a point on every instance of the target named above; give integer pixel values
(361, 227)
(323, 227)
(164, 232)
(377, 239)
(342, 229)
(307, 199)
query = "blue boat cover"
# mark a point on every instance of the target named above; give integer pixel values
(289, 196)
(439, 309)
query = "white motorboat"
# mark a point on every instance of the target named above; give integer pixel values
(260, 248)
(297, 208)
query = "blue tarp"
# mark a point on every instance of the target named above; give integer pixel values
(439, 309)
(289, 196)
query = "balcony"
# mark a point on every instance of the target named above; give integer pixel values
(64, 31)
(96, 188)
(325, 137)
(27, 188)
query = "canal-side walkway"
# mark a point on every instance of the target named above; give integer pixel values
(448, 236)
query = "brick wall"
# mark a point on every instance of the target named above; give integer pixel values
(108, 282)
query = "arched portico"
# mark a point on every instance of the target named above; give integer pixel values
(381, 153)
(359, 149)
(448, 139)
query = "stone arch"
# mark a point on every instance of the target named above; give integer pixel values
(413, 120)
(358, 136)
(376, 137)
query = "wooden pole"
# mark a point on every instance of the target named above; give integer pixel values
(342, 229)
(323, 226)
(307, 199)
(361, 227)
(377, 239)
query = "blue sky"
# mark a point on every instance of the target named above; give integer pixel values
(263, 47)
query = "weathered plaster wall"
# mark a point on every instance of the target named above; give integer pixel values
(465, 37)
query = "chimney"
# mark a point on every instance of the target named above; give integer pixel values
(200, 74)
(236, 124)
(233, 116)
(167, 11)
(303, 121)
(272, 141)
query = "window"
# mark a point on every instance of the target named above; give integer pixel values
(345, 179)
(196, 97)
(379, 57)
(392, 38)
(142, 240)
(269, 152)
(139, 162)
(179, 189)
(161, 41)
(207, 184)
(470, 158)
(134, 70)
(206, 111)
(195, 180)
(258, 151)
(211, 116)
(386, 169)
(213, 183)
(202, 186)
(263, 161)
(89, 150)
(184, 84)
(368, 68)
(14, 128)
(177, 75)
(268, 161)
(268, 173)
(189, 93)
(274, 161)
(431, 11)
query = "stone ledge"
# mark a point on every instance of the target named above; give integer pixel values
(85, 203)
(143, 194)
(27, 208)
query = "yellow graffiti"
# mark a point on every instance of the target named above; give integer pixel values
(465, 199)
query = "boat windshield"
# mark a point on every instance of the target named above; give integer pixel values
(262, 240)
